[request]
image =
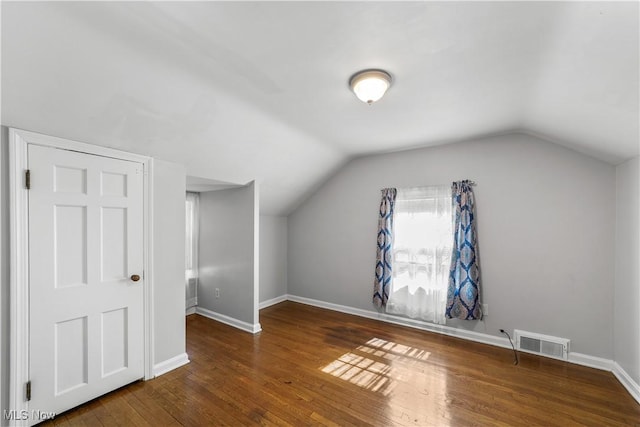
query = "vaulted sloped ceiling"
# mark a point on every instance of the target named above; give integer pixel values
(238, 91)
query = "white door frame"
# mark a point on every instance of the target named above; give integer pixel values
(19, 254)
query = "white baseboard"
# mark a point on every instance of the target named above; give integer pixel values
(273, 301)
(625, 379)
(591, 361)
(247, 327)
(418, 324)
(170, 365)
(190, 310)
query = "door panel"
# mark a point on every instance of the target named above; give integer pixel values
(85, 242)
(114, 243)
(70, 254)
(70, 370)
(114, 343)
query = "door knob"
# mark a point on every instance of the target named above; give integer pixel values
(135, 277)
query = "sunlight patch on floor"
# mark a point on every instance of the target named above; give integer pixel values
(370, 366)
(392, 351)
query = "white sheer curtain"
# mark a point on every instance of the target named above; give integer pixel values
(191, 235)
(422, 245)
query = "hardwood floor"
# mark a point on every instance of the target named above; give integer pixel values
(311, 366)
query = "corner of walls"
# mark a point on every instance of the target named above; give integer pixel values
(170, 364)
(4, 268)
(273, 258)
(625, 379)
(626, 325)
(252, 328)
(274, 301)
(256, 252)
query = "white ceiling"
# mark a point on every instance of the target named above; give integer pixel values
(238, 91)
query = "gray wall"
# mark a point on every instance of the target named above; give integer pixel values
(168, 264)
(627, 283)
(273, 257)
(545, 228)
(227, 239)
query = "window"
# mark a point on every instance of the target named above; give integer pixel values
(191, 250)
(191, 236)
(422, 247)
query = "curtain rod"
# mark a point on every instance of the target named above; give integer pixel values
(468, 180)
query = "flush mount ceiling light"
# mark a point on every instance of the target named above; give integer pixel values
(370, 85)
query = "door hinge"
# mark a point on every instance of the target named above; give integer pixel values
(27, 179)
(28, 390)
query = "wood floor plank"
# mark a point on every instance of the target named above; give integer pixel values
(311, 366)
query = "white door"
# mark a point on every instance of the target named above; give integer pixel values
(85, 267)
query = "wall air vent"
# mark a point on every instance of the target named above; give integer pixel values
(544, 345)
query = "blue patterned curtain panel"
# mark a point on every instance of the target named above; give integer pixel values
(384, 253)
(463, 294)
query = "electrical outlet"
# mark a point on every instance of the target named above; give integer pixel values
(485, 309)
(217, 292)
